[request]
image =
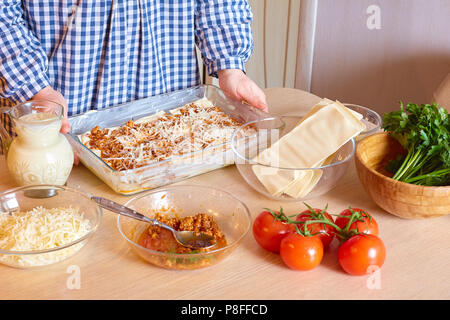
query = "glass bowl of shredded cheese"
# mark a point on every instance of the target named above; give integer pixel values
(288, 166)
(43, 225)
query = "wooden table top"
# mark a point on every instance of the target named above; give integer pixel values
(416, 267)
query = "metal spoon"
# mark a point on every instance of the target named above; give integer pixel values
(188, 239)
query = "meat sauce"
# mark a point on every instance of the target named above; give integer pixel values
(160, 239)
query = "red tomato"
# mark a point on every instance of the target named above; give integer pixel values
(269, 232)
(326, 231)
(367, 225)
(360, 253)
(301, 253)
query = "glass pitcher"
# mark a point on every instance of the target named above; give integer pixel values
(39, 154)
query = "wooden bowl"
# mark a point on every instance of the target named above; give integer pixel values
(401, 199)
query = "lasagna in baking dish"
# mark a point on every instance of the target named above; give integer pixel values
(192, 127)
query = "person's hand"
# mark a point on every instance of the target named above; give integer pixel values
(48, 93)
(237, 85)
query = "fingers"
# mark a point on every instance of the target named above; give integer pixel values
(76, 161)
(254, 96)
(238, 86)
(49, 94)
(65, 127)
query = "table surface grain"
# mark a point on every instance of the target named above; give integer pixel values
(417, 264)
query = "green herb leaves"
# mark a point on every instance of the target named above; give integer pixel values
(424, 131)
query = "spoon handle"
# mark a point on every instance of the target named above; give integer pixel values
(120, 209)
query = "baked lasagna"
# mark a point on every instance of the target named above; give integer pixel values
(190, 128)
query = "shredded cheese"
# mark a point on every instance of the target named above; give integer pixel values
(41, 229)
(187, 129)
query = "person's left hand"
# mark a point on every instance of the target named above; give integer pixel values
(237, 85)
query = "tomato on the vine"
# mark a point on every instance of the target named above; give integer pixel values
(363, 223)
(268, 230)
(301, 241)
(324, 231)
(362, 254)
(300, 252)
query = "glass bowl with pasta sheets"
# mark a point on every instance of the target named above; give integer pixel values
(152, 142)
(290, 169)
(370, 118)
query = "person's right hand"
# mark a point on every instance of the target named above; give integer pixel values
(48, 93)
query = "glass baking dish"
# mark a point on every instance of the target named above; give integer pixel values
(170, 170)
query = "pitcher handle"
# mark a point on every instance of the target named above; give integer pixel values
(4, 135)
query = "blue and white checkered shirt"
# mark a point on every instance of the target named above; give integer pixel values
(100, 53)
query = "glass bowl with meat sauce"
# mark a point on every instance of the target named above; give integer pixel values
(196, 208)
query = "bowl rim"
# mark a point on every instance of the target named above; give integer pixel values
(401, 183)
(183, 255)
(379, 125)
(99, 215)
(252, 162)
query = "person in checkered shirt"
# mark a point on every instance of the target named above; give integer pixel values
(89, 55)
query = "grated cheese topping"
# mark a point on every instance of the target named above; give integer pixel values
(187, 129)
(40, 229)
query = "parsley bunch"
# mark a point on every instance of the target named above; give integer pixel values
(424, 131)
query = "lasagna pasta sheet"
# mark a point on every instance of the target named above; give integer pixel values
(301, 187)
(312, 143)
(150, 118)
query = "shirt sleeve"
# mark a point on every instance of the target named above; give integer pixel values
(223, 33)
(23, 63)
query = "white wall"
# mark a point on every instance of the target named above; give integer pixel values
(405, 60)
(275, 34)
